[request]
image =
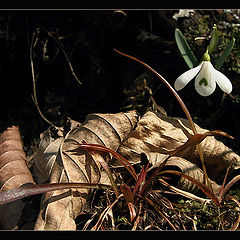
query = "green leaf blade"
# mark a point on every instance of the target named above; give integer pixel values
(225, 54)
(185, 49)
(214, 40)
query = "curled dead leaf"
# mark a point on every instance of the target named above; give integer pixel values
(13, 174)
(191, 170)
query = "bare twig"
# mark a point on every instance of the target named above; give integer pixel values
(160, 213)
(34, 42)
(34, 96)
(59, 43)
(104, 213)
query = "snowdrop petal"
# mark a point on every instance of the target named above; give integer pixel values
(186, 77)
(205, 83)
(222, 81)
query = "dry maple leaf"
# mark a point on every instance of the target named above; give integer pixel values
(13, 174)
(60, 208)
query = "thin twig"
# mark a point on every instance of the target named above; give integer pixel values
(59, 43)
(34, 96)
(104, 213)
(160, 213)
(33, 44)
(136, 222)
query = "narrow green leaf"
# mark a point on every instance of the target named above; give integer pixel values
(225, 54)
(214, 40)
(185, 49)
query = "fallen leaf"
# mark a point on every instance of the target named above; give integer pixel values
(47, 151)
(13, 174)
(158, 135)
(196, 139)
(45, 157)
(191, 170)
(73, 164)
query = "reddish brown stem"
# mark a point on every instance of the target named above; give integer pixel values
(98, 147)
(32, 189)
(182, 104)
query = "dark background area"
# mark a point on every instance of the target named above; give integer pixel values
(110, 82)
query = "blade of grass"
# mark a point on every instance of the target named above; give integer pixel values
(214, 39)
(229, 185)
(104, 213)
(224, 181)
(141, 180)
(184, 193)
(127, 193)
(196, 139)
(225, 54)
(185, 49)
(132, 211)
(129, 197)
(138, 216)
(159, 212)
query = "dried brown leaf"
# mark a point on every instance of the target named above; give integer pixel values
(191, 170)
(13, 174)
(45, 157)
(196, 139)
(74, 164)
(157, 135)
(47, 151)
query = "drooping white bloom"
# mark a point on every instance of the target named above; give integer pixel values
(206, 78)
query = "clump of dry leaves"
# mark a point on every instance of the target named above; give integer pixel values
(96, 154)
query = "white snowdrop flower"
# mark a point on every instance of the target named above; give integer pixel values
(206, 78)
